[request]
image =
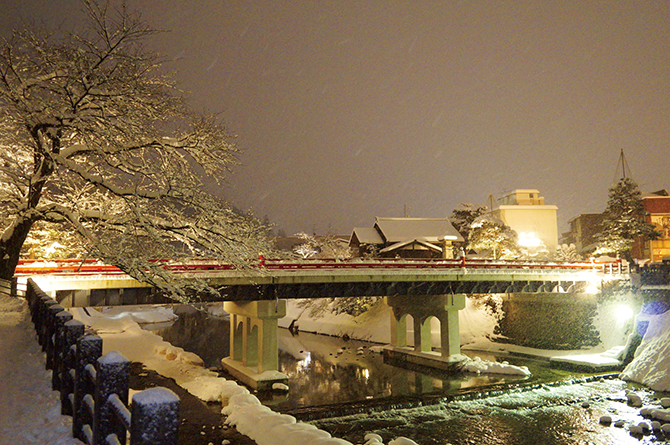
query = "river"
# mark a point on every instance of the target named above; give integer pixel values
(346, 388)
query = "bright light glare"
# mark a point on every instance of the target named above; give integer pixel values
(529, 239)
(303, 364)
(52, 249)
(592, 288)
(624, 312)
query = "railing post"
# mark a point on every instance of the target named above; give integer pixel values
(89, 349)
(74, 329)
(30, 293)
(50, 333)
(59, 348)
(112, 378)
(42, 318)
(155, 417)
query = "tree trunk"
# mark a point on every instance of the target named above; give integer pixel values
(10, 249)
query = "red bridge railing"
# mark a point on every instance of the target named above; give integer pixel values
(91, 266)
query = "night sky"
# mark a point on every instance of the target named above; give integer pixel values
(347, 110)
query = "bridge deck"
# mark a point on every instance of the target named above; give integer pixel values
(311, 279)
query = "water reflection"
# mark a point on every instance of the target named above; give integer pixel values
(328, 370)
(204, 332)
(323, 370)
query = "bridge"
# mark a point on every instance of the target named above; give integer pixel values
(286, 279)
(255, 297)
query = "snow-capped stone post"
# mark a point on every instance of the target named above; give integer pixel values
(42, 319)
(155, 417)
(74, 329)
(51, 323)
(89, 349)
(59, 348)
(112, 378)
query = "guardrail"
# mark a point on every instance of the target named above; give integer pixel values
(655, 274)
(94, 388)
(8, 287)
(92, 267)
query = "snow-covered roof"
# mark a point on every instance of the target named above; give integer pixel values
(365, 235)
(663, 193)
(431, 230)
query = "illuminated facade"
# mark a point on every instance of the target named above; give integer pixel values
(526, 213)
(657, 206)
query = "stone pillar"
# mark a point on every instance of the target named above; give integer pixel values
(253, 341)
(449, 333)
(398, 328)
(445, 308)
(422, 333)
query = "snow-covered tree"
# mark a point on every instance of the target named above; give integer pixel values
(354, 306)
(567, 253)
(321, 247)
(94, 137)
(624, 219)
(491, 236)
(48, 241)
(464, 215)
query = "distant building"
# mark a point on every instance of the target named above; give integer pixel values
(525, 212)
(406, 238)
(657, 206)
(583, 232)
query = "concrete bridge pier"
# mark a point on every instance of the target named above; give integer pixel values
(254, 355)
(443, 307)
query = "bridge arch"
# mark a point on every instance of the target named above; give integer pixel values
(444, 308)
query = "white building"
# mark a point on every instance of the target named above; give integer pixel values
(525, 212)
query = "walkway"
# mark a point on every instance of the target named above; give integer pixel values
(29, 409)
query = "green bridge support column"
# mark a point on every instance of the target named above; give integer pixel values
(254, 353)
(421, 308)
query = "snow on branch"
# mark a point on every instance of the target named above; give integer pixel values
(95, 138)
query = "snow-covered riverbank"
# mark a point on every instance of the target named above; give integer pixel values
(120, 332)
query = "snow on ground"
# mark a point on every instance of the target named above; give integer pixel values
(651, 365)
(29, 409)
(479, 366)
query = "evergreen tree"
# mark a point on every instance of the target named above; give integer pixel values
(463, 216)
(624, 220)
